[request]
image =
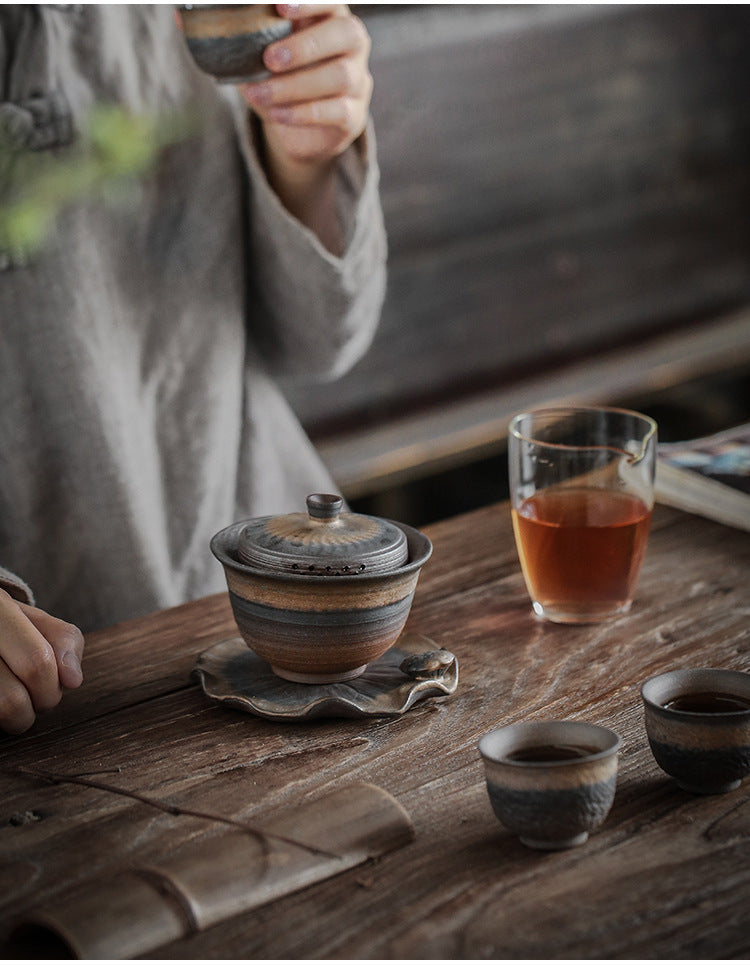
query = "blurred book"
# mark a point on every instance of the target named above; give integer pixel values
(708, 476)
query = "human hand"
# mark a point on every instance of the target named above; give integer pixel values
(312, 109)
(39, 655)
(317, 101)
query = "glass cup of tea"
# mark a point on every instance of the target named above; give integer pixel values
(582, 494)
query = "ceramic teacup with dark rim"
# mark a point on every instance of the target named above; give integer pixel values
(551, 782)
(228, 40)
(698, 726)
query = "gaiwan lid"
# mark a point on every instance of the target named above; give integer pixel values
(323, 542)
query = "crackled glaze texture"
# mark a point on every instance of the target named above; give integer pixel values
(552, 804)
(228, 41)
(706, 753)
(314, 629)
(232, 674)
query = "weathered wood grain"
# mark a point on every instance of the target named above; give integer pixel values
(471, 425)
(163, 767)
(237, 868)
(556, 180)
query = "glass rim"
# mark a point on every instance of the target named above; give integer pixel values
(561, 409)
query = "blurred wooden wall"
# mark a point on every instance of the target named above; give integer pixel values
(557, 181)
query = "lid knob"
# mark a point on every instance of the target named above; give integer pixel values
(324, 506)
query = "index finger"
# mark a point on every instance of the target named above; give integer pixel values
(66, 641)
(297, 11)
(324, 39)
(28, 655)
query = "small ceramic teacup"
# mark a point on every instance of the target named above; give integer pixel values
(228, 40)
(551, 782)
(698, 726)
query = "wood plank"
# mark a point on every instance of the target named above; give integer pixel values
(366, 459)
(669, 862)
(480, 878)
(473, 314)
(515, 116)
(593, 191)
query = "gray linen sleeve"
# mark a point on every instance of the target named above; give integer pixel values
(313, 313)
(15, 587)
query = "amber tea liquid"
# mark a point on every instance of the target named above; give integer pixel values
(550, 753)
(581, 550)
(708, 702)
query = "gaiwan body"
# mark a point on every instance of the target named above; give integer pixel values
(319, 596)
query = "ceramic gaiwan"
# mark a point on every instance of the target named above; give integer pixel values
(319, 595)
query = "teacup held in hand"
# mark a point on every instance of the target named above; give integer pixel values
(228, 40)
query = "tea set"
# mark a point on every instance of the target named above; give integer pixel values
(554, 802)
(321, 599)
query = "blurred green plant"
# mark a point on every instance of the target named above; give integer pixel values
(113, 152)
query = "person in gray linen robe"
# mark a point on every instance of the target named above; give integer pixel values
(140, 344)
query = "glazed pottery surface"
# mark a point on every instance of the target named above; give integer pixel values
(232, 674)
(228, 40)
(314, 628)
(551, 804)
(706, 753)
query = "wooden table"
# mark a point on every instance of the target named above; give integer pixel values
(668, 874)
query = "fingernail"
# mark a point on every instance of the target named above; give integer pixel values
(281, 115)
(257, 93)
(71, 661)
(279, 56)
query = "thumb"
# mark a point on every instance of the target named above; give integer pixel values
(66, 641)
